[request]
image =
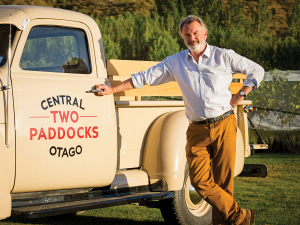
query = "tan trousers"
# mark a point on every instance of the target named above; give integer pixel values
(216, 141)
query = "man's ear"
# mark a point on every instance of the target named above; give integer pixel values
(205, 34)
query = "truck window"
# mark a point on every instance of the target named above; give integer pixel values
(4, 40)
(56, 49)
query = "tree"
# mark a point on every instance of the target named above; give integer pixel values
(294, 21)
(288, 54)
(136, 35)
(163, 6)
(162, 46)
(111, 49)
(234, 14)
(261, 18)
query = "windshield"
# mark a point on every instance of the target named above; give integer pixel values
(4, 40)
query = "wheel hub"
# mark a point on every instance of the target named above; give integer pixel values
(195, 203)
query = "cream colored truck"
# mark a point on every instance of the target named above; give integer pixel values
(64, 149)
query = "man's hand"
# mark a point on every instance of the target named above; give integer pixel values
(106, 90)
(237, 98)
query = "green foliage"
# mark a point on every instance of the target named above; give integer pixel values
(243, 26)
(261, 17)
(288, 54)
(137, 37)
(111, 48)
(133, 26)
(162, 46)
(278, 141)
(49, 51)
(294, 21)
(157, 36)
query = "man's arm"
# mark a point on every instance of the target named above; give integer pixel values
(155, 75)
(125, 85)
(254, 72)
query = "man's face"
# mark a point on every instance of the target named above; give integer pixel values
(194, 36)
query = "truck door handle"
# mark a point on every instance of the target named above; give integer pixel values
(94, 91)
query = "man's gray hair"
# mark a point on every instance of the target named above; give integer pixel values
(189, 19)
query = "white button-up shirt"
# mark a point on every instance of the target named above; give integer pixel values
(204, 85)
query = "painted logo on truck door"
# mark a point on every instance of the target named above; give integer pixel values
(69, 118)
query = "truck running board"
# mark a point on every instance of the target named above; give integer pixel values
(36, 211)
(254, 170)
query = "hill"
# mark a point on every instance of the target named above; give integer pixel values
(101, 9)
(279, 10)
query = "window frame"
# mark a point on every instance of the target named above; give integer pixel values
(13, 35)
(55, 23)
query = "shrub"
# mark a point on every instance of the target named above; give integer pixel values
(278, 141)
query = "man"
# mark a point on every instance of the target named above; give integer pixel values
(204, 73)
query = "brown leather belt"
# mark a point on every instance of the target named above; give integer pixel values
(212, 120)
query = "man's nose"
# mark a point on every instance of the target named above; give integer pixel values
(192, 37)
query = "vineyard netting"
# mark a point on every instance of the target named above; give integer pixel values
(276, 102)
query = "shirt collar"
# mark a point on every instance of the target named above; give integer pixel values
(207, 51)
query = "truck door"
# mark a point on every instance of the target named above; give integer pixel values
(65, 136)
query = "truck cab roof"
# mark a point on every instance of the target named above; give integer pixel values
(19, 13)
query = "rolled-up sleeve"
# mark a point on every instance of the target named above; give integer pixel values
(239, 64)
(156, 75)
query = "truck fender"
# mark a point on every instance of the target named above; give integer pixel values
(164, 157)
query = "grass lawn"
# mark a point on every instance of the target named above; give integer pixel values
(276, 199)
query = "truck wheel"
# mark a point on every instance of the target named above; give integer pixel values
(186, 207)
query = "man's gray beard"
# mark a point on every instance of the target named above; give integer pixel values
(194, 48)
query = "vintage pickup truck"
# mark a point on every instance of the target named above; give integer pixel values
(63, 149)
